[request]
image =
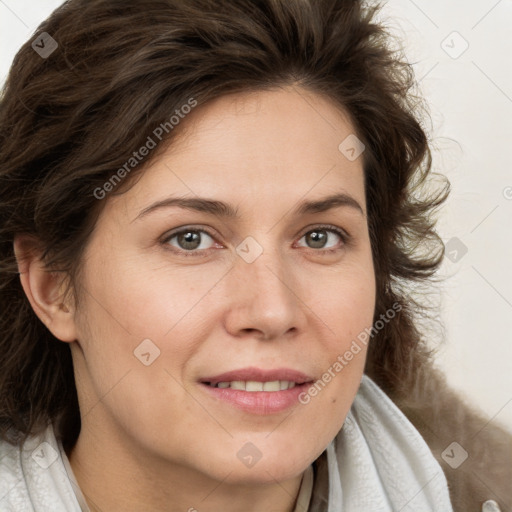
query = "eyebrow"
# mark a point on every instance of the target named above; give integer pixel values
(224, 210)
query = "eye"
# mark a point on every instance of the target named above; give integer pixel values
(189, 240)
(324, 237)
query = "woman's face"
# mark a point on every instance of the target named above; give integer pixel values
(248, 276)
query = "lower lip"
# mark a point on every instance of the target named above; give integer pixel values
(259, 402)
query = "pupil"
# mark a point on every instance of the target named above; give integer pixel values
(190, 239)
(318, 238)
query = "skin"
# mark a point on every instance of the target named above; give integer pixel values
(151, 438)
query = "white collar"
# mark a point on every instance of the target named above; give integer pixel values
(378, 462)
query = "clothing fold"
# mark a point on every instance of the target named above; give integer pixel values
(378, 462)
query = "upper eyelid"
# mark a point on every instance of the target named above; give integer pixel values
(177, 231)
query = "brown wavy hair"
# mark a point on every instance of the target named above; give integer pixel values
(69, 120)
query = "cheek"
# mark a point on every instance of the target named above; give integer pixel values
(348, 312)
(135, 332)
(345, 302)
(154, 302)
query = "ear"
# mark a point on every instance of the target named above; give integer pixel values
(44, 290)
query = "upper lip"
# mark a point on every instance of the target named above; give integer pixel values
(259, 375)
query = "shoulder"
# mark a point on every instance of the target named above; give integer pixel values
(33, 477)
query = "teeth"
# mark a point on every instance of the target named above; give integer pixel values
(272, 386)
(252, 385)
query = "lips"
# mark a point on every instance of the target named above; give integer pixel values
(259, 375)
(254, 390)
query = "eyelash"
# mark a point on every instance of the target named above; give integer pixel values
(344, 236)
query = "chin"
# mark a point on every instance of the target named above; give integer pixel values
(270, 465)
(261, 474)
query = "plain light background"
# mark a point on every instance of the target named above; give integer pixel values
(461, 53)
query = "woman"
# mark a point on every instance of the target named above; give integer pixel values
(210, 223)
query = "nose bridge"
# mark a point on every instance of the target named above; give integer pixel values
(262, 290)
(265, 271)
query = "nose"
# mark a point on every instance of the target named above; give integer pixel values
(265, 299)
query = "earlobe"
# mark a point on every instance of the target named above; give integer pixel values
(44, 290)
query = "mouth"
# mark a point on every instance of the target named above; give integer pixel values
(257, 391)
(252, 386)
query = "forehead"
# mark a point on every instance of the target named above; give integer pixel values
(289, 120)
(270, 145)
